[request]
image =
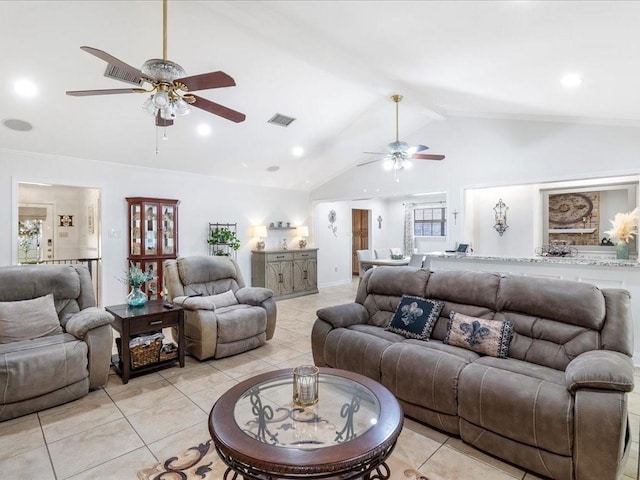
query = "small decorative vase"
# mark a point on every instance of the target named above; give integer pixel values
(136, 297)
(622, 251)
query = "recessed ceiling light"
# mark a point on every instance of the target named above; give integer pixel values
(25, 88)
(571, 80)
(17, 125)
(204, 129)
(245, 164)
(297, 151)
(273, 168)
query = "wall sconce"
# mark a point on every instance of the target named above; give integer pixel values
(303, 231)
(379, 221)
(501, 217)
(260, 231)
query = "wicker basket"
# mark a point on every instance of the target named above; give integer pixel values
(143, 354)
(168, 352)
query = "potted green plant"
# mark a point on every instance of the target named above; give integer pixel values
(135, 277)
(225, 237)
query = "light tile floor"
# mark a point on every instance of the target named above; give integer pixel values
(119, 429)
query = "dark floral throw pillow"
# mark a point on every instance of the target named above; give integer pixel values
(415, 317)
(489, 337)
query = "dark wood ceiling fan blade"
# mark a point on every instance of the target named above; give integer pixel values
(426, 156)
(205, 81)
(217, 109)
(161, 122)
(113, 61)
(110, 91)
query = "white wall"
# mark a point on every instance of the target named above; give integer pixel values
(334, 255)
(202, 200)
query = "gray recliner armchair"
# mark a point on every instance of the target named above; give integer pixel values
(223, 317)
(55, 345)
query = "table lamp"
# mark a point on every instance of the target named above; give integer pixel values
(260, 231)
(303, 231)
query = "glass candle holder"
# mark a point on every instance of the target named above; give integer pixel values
(305, 385)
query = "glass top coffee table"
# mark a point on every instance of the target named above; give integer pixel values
(261, 434)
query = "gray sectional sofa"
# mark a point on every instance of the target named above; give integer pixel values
(55, 344)
(556, 405)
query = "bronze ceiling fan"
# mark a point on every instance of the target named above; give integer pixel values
(400, 153)
(170, 87)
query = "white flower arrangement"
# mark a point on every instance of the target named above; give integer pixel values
(624, 226)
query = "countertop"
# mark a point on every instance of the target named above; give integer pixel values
(598, 262)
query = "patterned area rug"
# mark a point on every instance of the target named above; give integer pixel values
(201, 462)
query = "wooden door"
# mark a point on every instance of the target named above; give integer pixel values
(360, 237)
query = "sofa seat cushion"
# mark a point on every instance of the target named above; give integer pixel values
(238, 322)
(378, 332)
(425, 376)
(524, 402)
(357, 351)
(32, 368)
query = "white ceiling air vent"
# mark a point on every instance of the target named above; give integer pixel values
(282, 120)
(114, 72)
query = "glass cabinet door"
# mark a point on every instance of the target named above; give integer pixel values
(136, 230)
(168, 219)
(151, 229)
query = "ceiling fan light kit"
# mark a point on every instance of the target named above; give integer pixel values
(400, 153)
(169, 85)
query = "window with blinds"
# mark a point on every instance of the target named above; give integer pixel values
(430, 222)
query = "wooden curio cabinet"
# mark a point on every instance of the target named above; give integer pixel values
(153, 237)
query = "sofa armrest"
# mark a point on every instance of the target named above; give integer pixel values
(344, 315)
(253, 295)
(194, 303)
(600, 369)
(80, 323)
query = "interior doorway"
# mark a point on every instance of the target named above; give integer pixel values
(60, 224)
(360, 229)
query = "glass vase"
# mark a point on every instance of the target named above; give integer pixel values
(136, 297)
(622, 251)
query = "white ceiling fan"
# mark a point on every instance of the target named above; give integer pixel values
(400, 154)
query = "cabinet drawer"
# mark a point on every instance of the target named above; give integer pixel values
(153, 322)
(304, 255)
(279, 257)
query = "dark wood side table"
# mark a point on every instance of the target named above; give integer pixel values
(131, 321)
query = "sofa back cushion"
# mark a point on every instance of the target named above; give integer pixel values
(554, 320)
(70, 285)
(381, 289)
(208, 275)
(28, 319)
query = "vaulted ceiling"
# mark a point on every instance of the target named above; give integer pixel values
(332, 65)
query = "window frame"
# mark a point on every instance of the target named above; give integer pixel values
(442, 222)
